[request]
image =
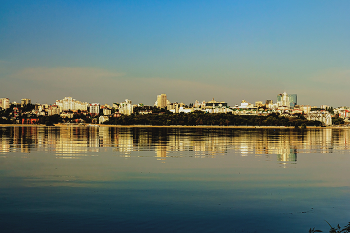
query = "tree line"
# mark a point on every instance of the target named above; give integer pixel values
(221, 119)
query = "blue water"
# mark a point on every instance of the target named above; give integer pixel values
(172, 180)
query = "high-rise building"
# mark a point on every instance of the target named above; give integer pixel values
(161, 101)
(4, 103)
(126, 107)
(53, 110)
(269, 103)
(293, 100)
(25, 102)
(287, 100)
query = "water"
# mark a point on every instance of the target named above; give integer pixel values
(101, 179)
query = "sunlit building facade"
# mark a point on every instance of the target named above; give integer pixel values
(126, 107)
(161, 101)
(213, 103)
(70, 104)
(25, 102)
(287, 100)
(4, 103)
(94, 108)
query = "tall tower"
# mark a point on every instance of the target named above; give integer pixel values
(293, 100)
(287, 100)
(283, 100)
(161, 101)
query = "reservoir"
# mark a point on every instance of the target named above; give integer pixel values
(144, 179)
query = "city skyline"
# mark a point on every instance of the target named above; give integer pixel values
(284, 99)
(230, 50)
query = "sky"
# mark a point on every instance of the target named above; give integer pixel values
(109, 51)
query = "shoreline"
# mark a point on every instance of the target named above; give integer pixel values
(173, 126)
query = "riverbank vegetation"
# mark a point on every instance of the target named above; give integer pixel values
(337, 229)
(159, 117)
(221, 119)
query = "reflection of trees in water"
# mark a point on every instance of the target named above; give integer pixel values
(286, 143)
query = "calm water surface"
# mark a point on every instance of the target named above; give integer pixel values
(101, 179)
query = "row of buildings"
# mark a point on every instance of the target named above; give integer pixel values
(286, 104)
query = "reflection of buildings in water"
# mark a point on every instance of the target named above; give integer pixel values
(94, 142)
(252, 142)
(17, 138)
(144, 142)
(125, 143)
(161, 152)
(277, 143)
(179, 142)
(81, 140)
(25, 148)
(201, 146)
(4, 141)
(5, 145)
(104, 137)
(247, 142)
(25, 138)
(218, 145)
(71, 140)
(341, 139)
(323, 141)
(108, 136)
(52, 137)
(327, 136)
(244, 148)
(287, 155)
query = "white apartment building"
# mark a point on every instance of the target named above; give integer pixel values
(95, 108)
(4, 103)
(323, 116)
(343, 112)
(244, 104)
(68, 103)
(102, 119)
(196, 104)
(185, 110)
(306, 109)
(126, 107)
(107, 111)
(178, 109)
(53, 110)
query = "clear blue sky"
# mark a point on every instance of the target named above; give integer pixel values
(107, 51)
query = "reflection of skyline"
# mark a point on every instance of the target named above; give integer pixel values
(161, 152)
(286, 155)
(79, 141)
